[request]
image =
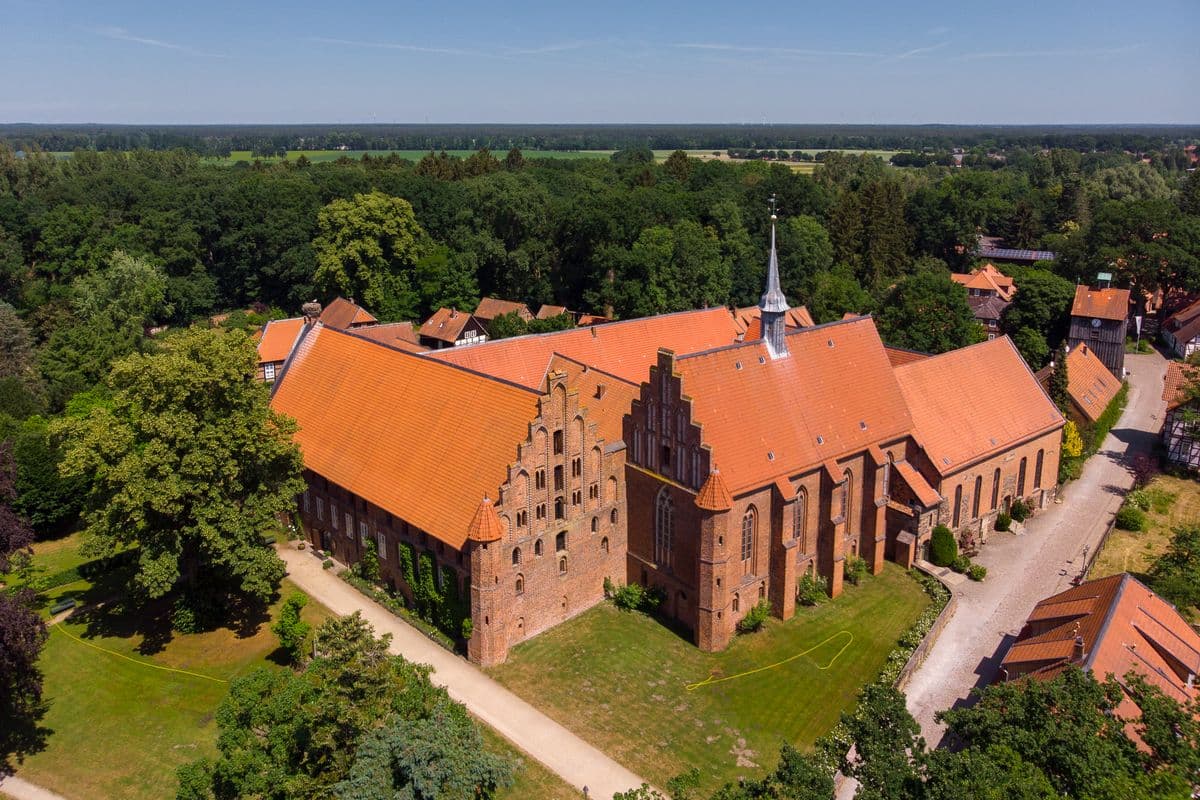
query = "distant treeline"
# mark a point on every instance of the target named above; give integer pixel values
(219, 140)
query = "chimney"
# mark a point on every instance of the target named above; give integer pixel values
(1079, 654)
(311, 310)
(1103, 280)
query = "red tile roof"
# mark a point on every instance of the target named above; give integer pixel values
(1179, 376)
(1091, 386)
(549, 312)
(604, 398)
(987, 278)
(592, 319)
(396, 334)
(920, 487)
(833, 395)
(973, 402)
(1121, 626)
(898, 355)
(1184, 325)
(490, 307)
(445, 325)
(714, 494)
(343, 314)
(278, 338)
(419, 438)
(625, 349)
(1100, 303)
(797, 317)
(485, 525)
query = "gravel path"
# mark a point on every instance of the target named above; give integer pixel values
(1023, 569)
(14, 787)
(570, 757)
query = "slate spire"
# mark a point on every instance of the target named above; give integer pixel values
(773, 304)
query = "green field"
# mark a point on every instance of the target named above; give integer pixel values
(129, 701)
(621, 681)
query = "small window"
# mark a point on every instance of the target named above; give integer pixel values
(516, 556)
(737, 602)
(269, 373)
(576, 467)
(576, 497)
(537, 547)
(558, 479)
(595, 524)
(593, 491)
(520, 584)
(522, 519)
(604, 545)
(560, 508)
(558, 443)
(562, 565)
(539, 479)
(560, 541)
(333, 515)
(381, 545)
(612, 517)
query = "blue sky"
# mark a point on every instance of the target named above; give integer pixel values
(870, 61)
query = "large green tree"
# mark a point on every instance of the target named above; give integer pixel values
(188, 462)
(928, 312)
(367, 248)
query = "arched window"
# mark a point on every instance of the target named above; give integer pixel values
(537, 547)
(604, 545)
(975, 497)
(995, 488)
(612, 517)
(1037, 469)
(595, 524)
(887, 477)
(848, 501)
(749, 522)
(520, 584)
(664, 526)
(736, 602)
(516, 556)
(562, 565)
(1021, 477)
(957, 505)
(560, 540)
(799, 512)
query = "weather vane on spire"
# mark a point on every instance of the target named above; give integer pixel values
(772, 202)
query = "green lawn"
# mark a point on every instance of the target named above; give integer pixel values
(620, 681)
(531, 781)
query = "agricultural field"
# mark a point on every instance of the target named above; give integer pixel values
(641, 693)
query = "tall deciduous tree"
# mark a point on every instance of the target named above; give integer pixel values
(367, 248)
(189, 462)
(1060, 380)
(928, 312)
(1042, 304)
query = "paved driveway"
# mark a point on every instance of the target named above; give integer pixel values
(564, 753)
(1042, 561)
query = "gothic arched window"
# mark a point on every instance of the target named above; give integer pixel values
(664, 526)
(749, 523)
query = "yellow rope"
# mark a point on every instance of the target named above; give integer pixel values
(70, 635)
(713, 679)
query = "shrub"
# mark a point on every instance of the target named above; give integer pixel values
(368, 566)
(301, 545)
(811, 589)
(327, 563)
(1003, 521)
(755, 617)
(1131, 518)
(942, 547)
(977, 572)
(961, 564)
(1020, 510)
(855, 569)
(290, 628)
(468, 628)
(1069, 469)
(1160, 499)
(1139, 498)
(634, 597)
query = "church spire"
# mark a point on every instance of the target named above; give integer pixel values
(773, 305)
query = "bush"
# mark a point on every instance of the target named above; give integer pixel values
(1131, 518)
(1003, 521)
(942, 547)
(1020, 510)
(368, 565)
(290, 628)
(327, 563)
(811, 589)
(960, 564)
(755, 617)
(1069, 469)
(468, 628)
(977, 572)
(1139, 498)
(634, 597)
(855, 569)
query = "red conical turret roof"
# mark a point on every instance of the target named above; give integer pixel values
(485, 526)
(714, 494)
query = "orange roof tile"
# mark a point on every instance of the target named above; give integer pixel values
(278, 338)
(957, 412)
(625, 349)
(445, 325)
(343, 314)
(550, 312)
(1179, 376)
(1089, 383)
(390, 333)
(592, 319)
(714, 494)
(920, 487)
(419, 438)
(490, 307)
(1100, 303)
(797, 317)
(987, 278)
(898, 355)
(1122, 626)
(834, 394)
(485, 525)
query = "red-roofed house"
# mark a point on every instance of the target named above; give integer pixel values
(1098, 319)
(345, 314)
(448, 327)
(1090, 385)
(490, 307)
(275, 343)
(1181, 330)
(1181, 424)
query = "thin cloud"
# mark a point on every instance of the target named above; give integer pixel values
(412, 48)
(123, 35)
(560, 47)
(917, 51)
(777, 51)
(1099, 51)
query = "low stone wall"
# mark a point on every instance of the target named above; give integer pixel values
(918, 657)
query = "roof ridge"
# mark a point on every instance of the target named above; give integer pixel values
(787, 332)
(589, 367)
(1108, 618)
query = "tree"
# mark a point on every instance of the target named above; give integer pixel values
(78, 355)
(367, 248)
(1176, 573)
(1149, 243)
(515, 160)
(190, 463)
(887, 741)
(943, 549)
(16, 347)
(836, 293)
(290, 629)
(445, 279)
(128, 290)
(1032, 347)
(1042, 304)
(997, 773)
(928, 312)
(503, 326)
(804, 253)
(1060, 381)
(678, 166)
(440, 757)
(368, 565)
(22, 631)
(44, 497)
(1072, 441)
